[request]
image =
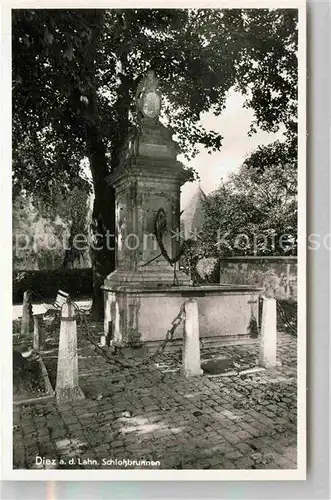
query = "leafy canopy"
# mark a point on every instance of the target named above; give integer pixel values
(255, 210)
(75, 73)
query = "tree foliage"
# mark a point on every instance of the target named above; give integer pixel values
(254, 212)
(75, 73)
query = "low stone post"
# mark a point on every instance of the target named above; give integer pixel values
(108, 324)
(191, 341)
(287, 286)
(104, 339)
(67, 388)
(38, 332)
(27, 314)
(117, 340)
(268, 335)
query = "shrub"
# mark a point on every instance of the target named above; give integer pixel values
(46, 283)
(287, 316)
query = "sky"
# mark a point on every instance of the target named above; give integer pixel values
(233, 125)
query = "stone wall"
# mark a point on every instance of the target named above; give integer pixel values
(276, 275)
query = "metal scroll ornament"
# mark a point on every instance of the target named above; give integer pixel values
(160, 228)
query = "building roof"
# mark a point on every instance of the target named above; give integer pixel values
(192, 217)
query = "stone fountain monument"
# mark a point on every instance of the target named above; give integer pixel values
(145, 292)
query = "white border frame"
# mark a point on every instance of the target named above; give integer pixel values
(8, 472)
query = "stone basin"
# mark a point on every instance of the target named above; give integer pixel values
(144, 314)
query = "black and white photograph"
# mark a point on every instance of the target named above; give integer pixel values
(158, 242)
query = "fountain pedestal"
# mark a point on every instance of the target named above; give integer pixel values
(144, 314)
(140, 297)
(148, 179)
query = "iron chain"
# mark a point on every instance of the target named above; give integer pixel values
(81, 313)
(121, 360)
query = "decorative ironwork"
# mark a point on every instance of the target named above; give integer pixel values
(160, 228)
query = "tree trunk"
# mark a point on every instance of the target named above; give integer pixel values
(102, 252)
(103, 217)
(103, 221)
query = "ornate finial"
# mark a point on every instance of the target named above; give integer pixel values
(148, 96)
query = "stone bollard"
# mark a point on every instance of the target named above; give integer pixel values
(38, 332)
(111, 330)
(67, 388)
(268, 335)
(105, 339)
(27, 314)
(191, 341)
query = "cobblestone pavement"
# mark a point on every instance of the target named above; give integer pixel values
(154, 414)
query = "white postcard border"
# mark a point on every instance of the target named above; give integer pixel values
(8, 473)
